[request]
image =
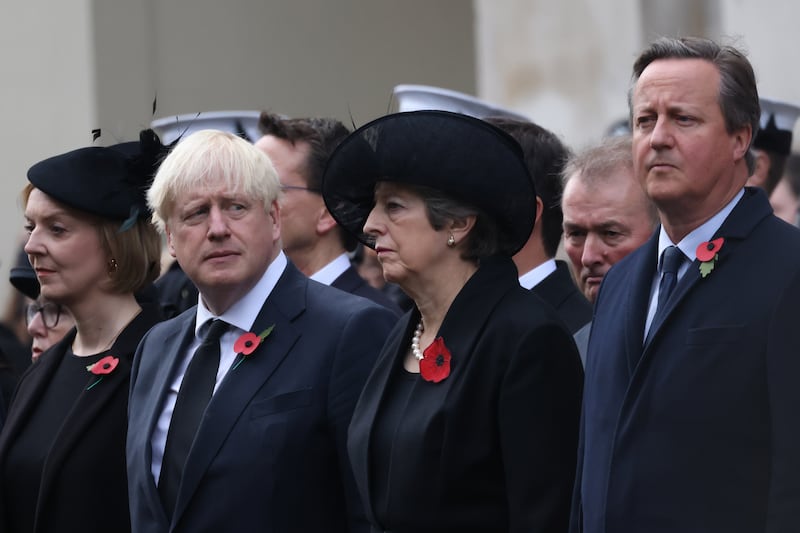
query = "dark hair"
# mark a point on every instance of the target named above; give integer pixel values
(322, 135)
(545, 156)
(484, 238)
(738, 93)
(597, 165)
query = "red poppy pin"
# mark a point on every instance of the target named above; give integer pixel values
(435, 363)
(247, 343)
(101, 368)
(707, 254)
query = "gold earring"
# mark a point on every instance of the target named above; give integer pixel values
(112, 266)
(451, 241)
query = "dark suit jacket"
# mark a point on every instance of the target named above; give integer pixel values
(270, 452)
(83, 485)
(492, 447)
(559, 290)
(698, 430)
(350, 281)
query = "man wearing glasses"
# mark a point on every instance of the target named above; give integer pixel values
(299, 149)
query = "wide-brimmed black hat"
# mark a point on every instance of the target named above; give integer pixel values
(465, 158)
(110, 181)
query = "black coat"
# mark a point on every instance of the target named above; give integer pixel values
(492, 447)
(696, 429)
(84, 472)
(559, 290)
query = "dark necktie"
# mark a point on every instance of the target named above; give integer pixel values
(193, 397)
(671, 262)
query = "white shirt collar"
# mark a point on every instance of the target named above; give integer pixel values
(243, 313)
(332, 270)
(533, 277)
(699, 235)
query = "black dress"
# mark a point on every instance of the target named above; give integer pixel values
(69, 425)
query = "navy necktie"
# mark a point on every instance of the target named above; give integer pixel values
(672, 259)
(193, 397)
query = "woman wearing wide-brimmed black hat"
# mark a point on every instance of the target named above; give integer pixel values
(469, 419)
(91, 244)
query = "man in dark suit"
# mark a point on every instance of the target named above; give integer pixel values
(299, 148)
(607, 215)
(538, 269)
(690, 401)
(240, 425)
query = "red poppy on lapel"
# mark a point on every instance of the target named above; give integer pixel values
(707, 254)
(247, 343)
(103, 367)
(435, 363)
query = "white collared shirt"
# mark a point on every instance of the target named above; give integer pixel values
(332, 270)
(688, 246)
(533, 277)
(240, 316)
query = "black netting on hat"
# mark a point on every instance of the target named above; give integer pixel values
(463, 157)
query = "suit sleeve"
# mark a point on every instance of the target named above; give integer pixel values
(362, 338)
(783, 372)
(539, 410)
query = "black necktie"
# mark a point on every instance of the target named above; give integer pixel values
(672, 260)
(193, 397)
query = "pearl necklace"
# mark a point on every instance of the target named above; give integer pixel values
(415, 341)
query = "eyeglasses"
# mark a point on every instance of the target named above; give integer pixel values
(50, 311)
(298, 188)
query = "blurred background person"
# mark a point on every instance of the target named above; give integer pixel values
(299, 149)
(772, 143)
(606, 215)
(468, 421)
(91, 244)
(539, 271)
(785, 199)
(47, 322)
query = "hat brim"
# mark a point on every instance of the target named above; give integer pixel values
(463, 157)
(25, 281)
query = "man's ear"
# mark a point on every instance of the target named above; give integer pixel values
(170, 247)
(741, 142)
(539, 210)
(275, 215)
(325, 222)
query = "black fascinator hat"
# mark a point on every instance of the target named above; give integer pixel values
(110, 182)
(463, 157)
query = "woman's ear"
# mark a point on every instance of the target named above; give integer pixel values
(461, 227)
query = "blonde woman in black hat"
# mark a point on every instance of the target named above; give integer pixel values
(62, 450)
(469, 419)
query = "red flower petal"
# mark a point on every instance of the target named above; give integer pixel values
(435, 363)
(106, 365)
(707, 250)
(247, 343)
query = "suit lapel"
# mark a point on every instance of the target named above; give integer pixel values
(284, 304)
(751, 209)
(643, 268)
(174, 345)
